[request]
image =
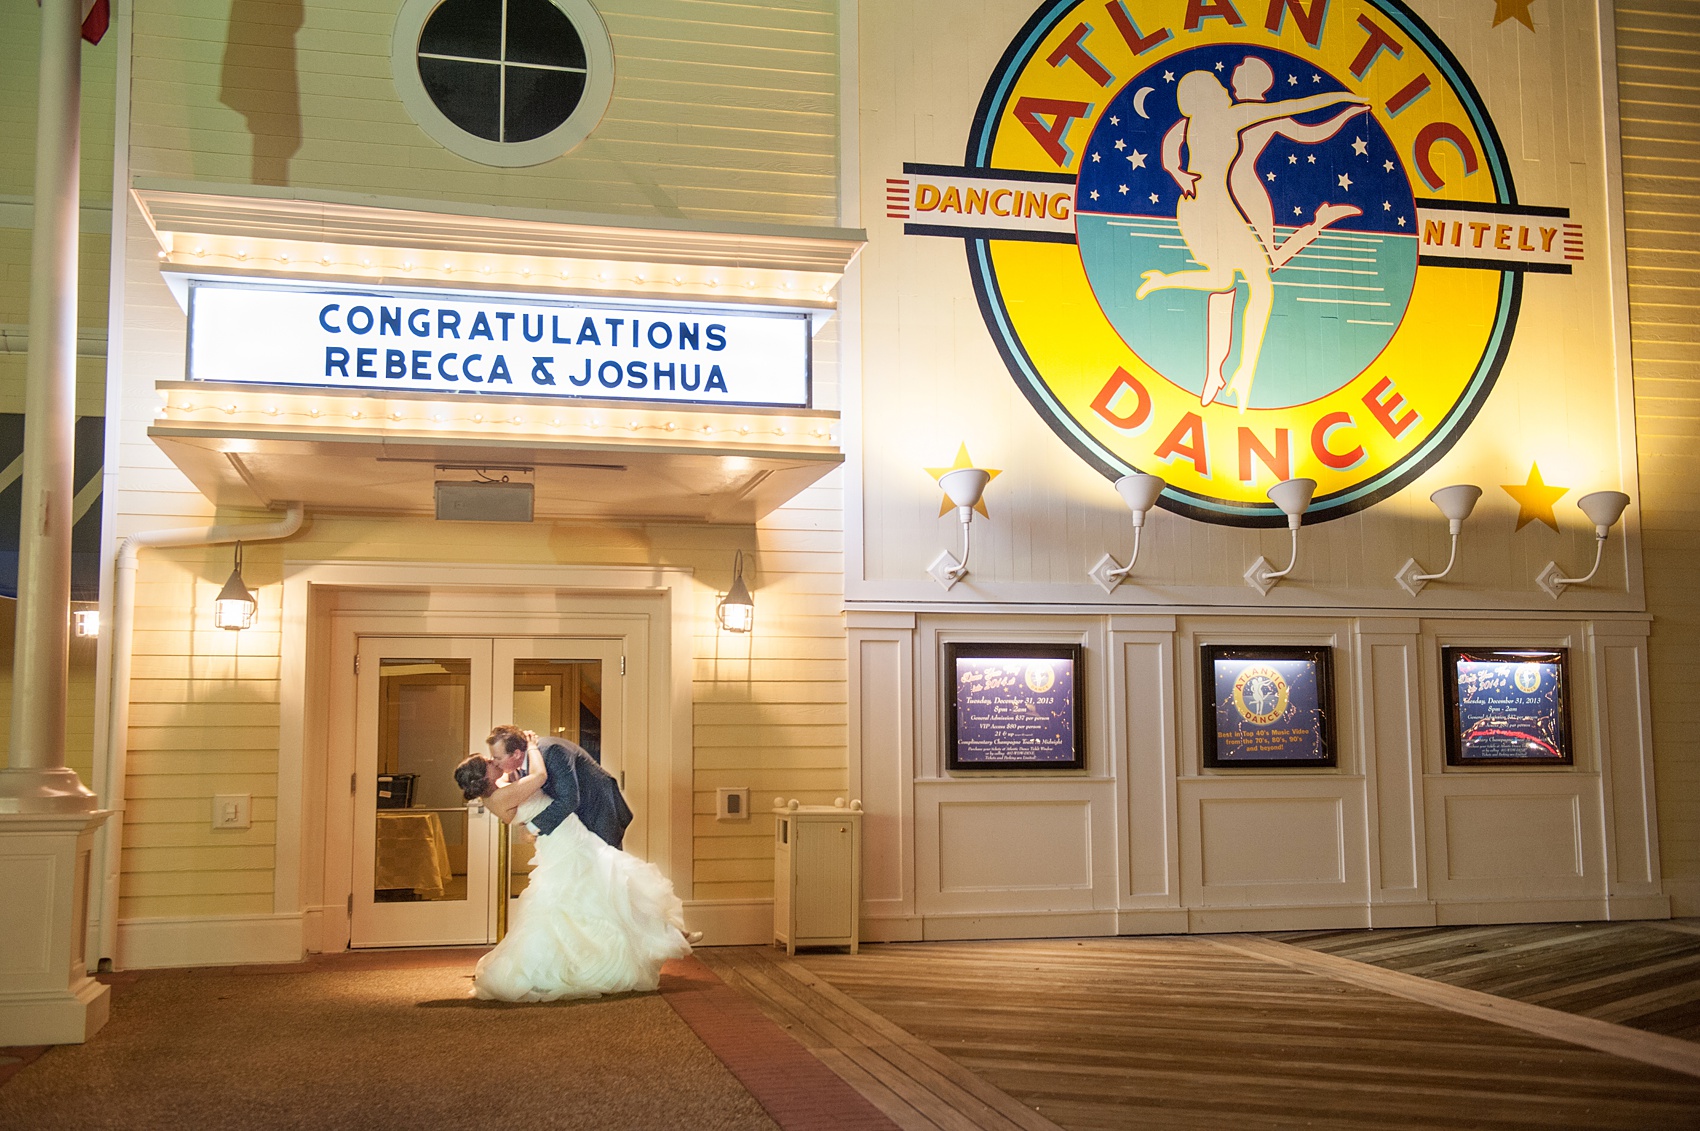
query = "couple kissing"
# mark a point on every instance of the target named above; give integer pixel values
(593, 919)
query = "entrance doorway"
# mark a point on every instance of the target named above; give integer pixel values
(424, 861)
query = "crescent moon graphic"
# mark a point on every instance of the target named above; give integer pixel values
(1139, 100)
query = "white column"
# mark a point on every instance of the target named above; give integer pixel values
(36, 779)
(47, 817)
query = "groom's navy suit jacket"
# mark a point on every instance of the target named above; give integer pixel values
(578, 784)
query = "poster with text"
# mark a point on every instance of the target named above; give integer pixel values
(1268, 707)
(1507, 706)
(1014, 706)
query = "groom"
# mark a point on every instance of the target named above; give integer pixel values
(576, 783)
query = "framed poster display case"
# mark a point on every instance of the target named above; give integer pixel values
(1013, 707)
(1507, 706)
(1267, 707)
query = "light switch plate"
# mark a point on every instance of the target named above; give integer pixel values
(232, 810)
(732, 804)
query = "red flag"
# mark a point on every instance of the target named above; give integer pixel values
(97, 20)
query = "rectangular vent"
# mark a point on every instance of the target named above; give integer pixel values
(484, 502)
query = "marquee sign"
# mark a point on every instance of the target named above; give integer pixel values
(1235, 241)
(447, 342)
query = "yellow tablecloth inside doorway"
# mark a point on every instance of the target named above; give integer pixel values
(412, 852)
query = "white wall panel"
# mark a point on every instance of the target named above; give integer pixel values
(1010, 846)
(1389, 705)
(1269, 841)
(1144, 755)
(882, 758)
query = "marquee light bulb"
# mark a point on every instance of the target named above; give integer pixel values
(518, 419)
(437, 417)
(314, 411)
(478, 418)
(395, 416)
(283, 257)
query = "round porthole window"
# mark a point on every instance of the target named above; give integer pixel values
(503, 82)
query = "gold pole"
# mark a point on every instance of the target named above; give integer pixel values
(503, 880)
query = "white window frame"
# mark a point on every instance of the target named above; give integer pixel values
(598, 90)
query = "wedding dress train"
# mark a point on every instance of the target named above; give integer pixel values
(592, 920)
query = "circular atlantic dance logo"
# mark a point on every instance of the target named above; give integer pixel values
(1041, 678)
(1260, 695)
(1246, 297)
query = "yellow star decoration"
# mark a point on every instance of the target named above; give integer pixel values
(1535, 498)
(962, 461)
(1513, 10)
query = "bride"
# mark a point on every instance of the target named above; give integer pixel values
(593, 920)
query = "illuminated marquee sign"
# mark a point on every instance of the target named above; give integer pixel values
(1236, 241)
(445, 342)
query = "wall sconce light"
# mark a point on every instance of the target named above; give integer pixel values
(85, 622)
(1456, 503)
(235, 607)
(964, 486)
(1603, 509)
(1139, 491)
(1293, 497)
(737, 610)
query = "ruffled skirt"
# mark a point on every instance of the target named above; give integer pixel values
(593, 920)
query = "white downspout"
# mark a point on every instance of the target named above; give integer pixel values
(118, 710)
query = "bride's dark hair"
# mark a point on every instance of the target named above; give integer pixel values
(473, 777)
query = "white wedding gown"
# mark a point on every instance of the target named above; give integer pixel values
(593, 920)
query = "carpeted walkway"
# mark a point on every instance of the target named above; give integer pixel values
(396, 1046)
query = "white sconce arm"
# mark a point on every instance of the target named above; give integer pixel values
(1450, 559)
(967, 516)
(1456, 503)
(1293, 497)
(1599, 556)
(963, 487)
(1140, 492)
(1292, 559)
(1262, 578)
(1550, 581)
(1603, 509)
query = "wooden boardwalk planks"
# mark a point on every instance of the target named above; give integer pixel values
(917, 1087)
(1643, 975)
(1185, 1033)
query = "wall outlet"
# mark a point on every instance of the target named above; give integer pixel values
(232, 811)
(732, 804)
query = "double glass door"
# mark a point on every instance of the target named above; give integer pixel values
(425, 861)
